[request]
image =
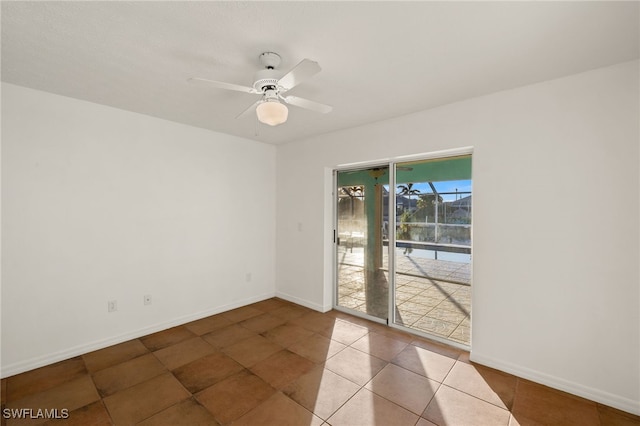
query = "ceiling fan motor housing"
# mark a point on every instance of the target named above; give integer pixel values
(265, 79)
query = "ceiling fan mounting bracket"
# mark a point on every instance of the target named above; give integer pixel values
(270, 60)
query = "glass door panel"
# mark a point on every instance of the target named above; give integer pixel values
(362, 224)
(433, 247)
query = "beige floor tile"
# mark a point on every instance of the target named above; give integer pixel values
(380, 346)
(452, 407)
(250, 351)
(235, 396)
(206, 371)
(403, 387)
(279, 411)
(355, 365)
(184, 352)
(424, 362)
(145, 399)
(345, 332)
(366, 409)
(187, 413)
(113, 379)
(107, 357)
(321, 391)
(489, 385)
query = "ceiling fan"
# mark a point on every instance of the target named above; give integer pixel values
(270, 86)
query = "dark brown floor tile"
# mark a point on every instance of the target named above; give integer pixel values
(184, 352)
(129, 373)
(278, 411)
(94, 414)
(145, 399)
(314, 321)
(252, 350)
(321, 391)
(287, 334)
(523, 421)
(235, 396)
(107, 357)
(165, 338)
(228, 336)
(437, 347)
(548, 406)
(187, 412)
(485, 383)
(290, 312)
(380, 346)
(208, 324)
(403, 387)
(206, 371)
(317, 348)
(612, 417)
(452, 407)
(241, 314)
(424, 362)
(41, 379)
(355, 365)
(345, 332)
(271, 304)
(367, 408)
(70, 395)
(262, 323)
(282, 368)
(3, 391)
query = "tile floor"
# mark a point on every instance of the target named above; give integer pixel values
(276, 363)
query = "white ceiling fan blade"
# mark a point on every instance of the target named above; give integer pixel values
(249, 110)
(223, 85)
(307, 104)
(304, 70)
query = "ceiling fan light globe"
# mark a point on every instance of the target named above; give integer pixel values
(272, 113)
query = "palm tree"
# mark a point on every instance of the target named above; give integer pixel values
(408, 190)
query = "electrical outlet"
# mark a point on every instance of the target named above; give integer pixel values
(147, 299)
(112, 305)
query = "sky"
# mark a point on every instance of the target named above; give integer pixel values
(445, 186)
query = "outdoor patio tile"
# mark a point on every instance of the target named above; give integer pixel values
(453, 316)
(141, 401)
(461, 334)
(41, 379)
(452, 407)
(228, 336)
(282, 368)
(163, 339)
(407, 318)
(366, 408)
(424, 362)
(321, 391)
(355, 365)
(279, 410)
(235, 396)
(103, 358)
(184, 352)
(317, 348)
(484, 383)
(403, 387)
(435, 326)
(187, 412)
(206, 371)
(121, 376)
(208, 324)
(380, 346)
(261, 323)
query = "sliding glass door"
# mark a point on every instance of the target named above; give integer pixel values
(403, 245)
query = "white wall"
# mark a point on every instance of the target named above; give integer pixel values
(556, 230)
(101, 204)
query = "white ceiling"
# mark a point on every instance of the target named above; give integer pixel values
(379, 59)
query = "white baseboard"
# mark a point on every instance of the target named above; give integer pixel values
(606, 398)
(41, 361)
(302, 302)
